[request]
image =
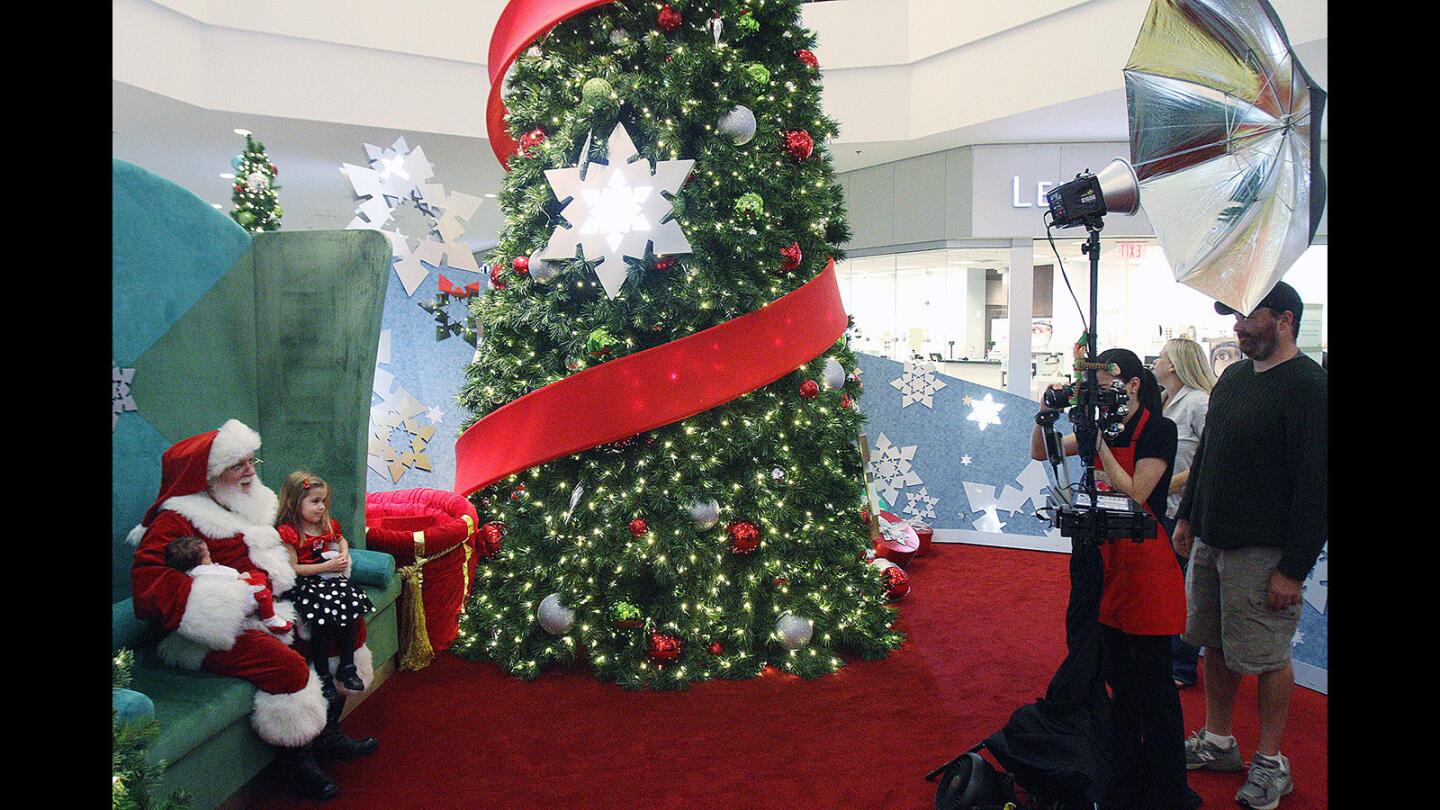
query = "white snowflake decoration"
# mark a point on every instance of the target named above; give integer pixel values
(990, 522)
(1033, 481)
(395, 175)
(1298, 638)
(1317, 584)
(616, 208)
(982, 499)
(966, 460)
(120, 399)
(920, 505)
(435, 415)
(917, 383)
(985, 411)
(890, 466)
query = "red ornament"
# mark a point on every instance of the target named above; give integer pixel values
(521, 265)
(530, 141)
(664, 648)
(809, 389)
(807, 58)
(239, 189)
(664, 263)
(790, 257)
(274, 170)
(865, 516)
(715, 648)
(488, 539)
(798, 143)
(744, 536)
(518, 492)
(669, 19)
(781, 581)
(846, 401)
(639, 527)
(495, 280)
(897, 582)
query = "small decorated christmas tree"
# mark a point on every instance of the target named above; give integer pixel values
(668, 180)
(256, 206)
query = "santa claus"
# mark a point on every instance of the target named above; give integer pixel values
(210, 488)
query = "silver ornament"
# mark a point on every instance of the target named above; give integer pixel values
(705, 514)
(739, 124)
(619, 36)
(794, 631)
(777, 473)
(540, 269)
(833, 375)
(555, 617)
(715, 25)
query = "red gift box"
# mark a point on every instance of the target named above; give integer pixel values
(431, 534)
(926, 535)
(898, 541)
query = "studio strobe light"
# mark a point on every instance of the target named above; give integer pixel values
(1089, 197)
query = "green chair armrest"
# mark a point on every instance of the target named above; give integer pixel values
(125, 629)
(371, 567)
(131, 705)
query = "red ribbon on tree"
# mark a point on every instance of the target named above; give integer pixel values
(655, 387)
(521, 23)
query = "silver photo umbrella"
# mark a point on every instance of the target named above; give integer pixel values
(1225, 140)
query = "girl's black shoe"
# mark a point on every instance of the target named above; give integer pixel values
(349, 678)
(327, 687)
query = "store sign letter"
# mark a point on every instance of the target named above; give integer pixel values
(1040, 189)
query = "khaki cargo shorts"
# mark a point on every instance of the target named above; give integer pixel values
(1226, 591)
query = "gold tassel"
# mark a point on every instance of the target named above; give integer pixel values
(416, 652)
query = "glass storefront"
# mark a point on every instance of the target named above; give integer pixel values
(949, 307)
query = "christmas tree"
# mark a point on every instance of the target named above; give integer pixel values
(256, 206)
(133, 774)
(733, 539)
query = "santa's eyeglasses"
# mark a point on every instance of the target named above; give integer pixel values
(239, 467)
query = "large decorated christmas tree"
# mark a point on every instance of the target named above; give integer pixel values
(674, 319)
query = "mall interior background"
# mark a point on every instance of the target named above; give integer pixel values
(953, 123)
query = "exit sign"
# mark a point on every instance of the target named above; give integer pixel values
(1132, 250)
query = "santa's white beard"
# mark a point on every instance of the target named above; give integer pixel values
(257, 505)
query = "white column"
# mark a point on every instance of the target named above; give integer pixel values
(1022, 286)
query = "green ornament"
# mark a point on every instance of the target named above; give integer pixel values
(750, 204)
(758, 74)
(573, 363)
(596, 92)
(279, 212)
(625, 612)
(600, 343)
(244, 218)
(746, 25)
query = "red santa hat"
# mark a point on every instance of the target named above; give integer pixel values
(190, 464)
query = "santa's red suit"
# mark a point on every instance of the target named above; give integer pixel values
(211, 618)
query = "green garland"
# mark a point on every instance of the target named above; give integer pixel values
(133, 774)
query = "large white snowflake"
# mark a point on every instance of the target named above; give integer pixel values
(1317, 584)
(1033, 482)
(917, 383)
(984, 411)
(890, 466)
(615, 209)
(120, 399)
(400, 173)
(920, 504)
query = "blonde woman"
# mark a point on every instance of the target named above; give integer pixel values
(1183, 370)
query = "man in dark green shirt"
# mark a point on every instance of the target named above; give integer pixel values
(1253, 521)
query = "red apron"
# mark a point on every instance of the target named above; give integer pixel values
(1144, 593)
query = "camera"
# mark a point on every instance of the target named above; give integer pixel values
(1113, 401)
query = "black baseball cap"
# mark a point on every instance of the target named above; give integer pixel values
(1281, 299)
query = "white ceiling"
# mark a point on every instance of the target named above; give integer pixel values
(192, 145)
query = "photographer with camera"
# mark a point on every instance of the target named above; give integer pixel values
(1142, 601)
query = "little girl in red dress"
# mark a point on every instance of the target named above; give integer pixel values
(325, 600)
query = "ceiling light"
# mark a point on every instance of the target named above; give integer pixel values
(227, 176)
(243, 132)
(216, 205)
(491, 196)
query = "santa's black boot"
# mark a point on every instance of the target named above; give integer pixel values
(306, 777)
(332, 742)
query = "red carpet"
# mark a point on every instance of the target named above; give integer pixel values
(985, 634)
